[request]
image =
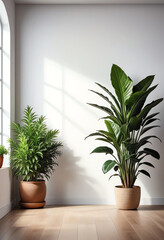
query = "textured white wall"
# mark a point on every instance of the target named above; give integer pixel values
(60, 52)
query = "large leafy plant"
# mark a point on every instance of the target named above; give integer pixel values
(127, 122)
(34, 148)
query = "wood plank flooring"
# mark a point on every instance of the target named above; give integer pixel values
(83, 223)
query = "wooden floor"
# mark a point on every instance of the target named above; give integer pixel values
(83, 223)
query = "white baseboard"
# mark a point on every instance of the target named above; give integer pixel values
(77, 201)
(152, 201)
(6, 209)
(99, 201)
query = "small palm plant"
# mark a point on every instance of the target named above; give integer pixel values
(3, 150)
(127, 121)
(34, 148)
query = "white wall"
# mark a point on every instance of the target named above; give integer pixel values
(60, 52)
(6, 191)
(6, 180)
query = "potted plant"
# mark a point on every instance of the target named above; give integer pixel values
(3, 151)
(127, 123)
(34, 150)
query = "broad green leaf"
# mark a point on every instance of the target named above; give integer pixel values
(143, 84)
(134, 123)
(113, 128)
(116, 129)
(144, 172)
(137, 100)
(133, 99)
(103, 149)
(121, 83)
(108, 165)
(124, 129)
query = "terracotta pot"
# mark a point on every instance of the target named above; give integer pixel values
(1, 161)
(32, 193)
(127, 198)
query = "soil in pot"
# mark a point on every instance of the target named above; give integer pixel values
(127, 198)
(32, 194)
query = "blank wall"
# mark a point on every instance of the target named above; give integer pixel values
(61, 50)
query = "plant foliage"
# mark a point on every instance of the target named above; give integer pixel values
(128, 119)
(34, 148)
(3, 150)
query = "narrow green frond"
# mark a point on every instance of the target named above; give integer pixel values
(110, 94)
(149, 117)
(103, 149)
(105, 109)
(144, 130)
(148, 107)
(101, 95)
(114, 175)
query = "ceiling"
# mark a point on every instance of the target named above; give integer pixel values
(89, 1)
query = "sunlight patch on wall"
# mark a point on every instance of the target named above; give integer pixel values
(65, 96)
(53, 101)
